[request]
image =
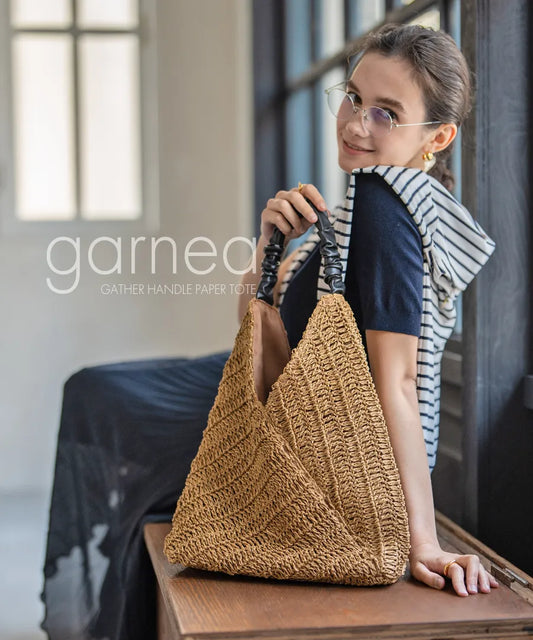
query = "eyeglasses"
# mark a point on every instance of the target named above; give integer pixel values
(376, 121)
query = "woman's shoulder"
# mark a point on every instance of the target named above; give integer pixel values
(455, 245)
(372, 186)
(376, 204)
(412, 191)
(403, 182)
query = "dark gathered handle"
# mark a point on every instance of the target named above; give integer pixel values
(328, 249)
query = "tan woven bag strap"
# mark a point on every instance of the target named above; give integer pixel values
(328, 249)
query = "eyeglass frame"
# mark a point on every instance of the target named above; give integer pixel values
(341, 86)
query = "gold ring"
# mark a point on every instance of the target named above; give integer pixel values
(300, 187)
(447, 566)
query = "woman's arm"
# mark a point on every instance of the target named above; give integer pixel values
(392, 359)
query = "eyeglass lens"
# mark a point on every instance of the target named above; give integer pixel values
(376, 120)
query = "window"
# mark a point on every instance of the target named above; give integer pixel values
(76, 105)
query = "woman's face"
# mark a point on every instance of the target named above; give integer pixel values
(385, 82)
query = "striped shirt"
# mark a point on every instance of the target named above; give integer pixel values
(454, 249)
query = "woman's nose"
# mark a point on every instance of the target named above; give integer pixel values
(356, 123)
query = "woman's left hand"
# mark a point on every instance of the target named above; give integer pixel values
(427, 562)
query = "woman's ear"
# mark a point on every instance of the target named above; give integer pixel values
(442, 137)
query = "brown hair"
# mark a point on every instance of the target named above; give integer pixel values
(440, 70)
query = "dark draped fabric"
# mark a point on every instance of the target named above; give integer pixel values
(128, 435)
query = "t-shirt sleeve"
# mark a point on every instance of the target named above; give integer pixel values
(385, 259)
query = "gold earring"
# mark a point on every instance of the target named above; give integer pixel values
(429, 160)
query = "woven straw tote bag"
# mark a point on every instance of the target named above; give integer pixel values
(295, 477)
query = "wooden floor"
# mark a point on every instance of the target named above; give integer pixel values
(199, 604)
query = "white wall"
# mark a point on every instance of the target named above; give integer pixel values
(205, 159)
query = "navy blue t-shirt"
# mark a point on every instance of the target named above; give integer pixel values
(384, 272)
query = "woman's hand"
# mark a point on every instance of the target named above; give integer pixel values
(427, 562)
(281, 212)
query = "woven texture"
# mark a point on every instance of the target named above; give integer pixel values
(305, 486)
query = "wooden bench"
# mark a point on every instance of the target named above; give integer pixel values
(196, 605)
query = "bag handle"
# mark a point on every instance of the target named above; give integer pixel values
(328, 249)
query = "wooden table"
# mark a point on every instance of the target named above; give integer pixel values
(198, 605)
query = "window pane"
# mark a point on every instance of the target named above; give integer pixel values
(363, 15)
(297, 37)
(109, 127)
(333, 178)
(43, 128)
(458, 329)
(103, 13)
(40, 13)
(299, 147)
(332, 12)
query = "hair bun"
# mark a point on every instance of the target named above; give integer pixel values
(441, 172)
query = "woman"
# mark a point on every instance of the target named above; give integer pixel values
(419, 82)
(130, 431)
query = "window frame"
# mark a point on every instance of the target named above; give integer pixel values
(149, 219)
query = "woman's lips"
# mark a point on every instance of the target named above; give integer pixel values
(354, 149)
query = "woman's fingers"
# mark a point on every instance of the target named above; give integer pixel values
(296, 203)
(492, 580)
(457, 576)
(311, 192)
(281, 214)
(467, 574)
(486, 580)
(290, 212)
(421, 572)
(468, 569)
